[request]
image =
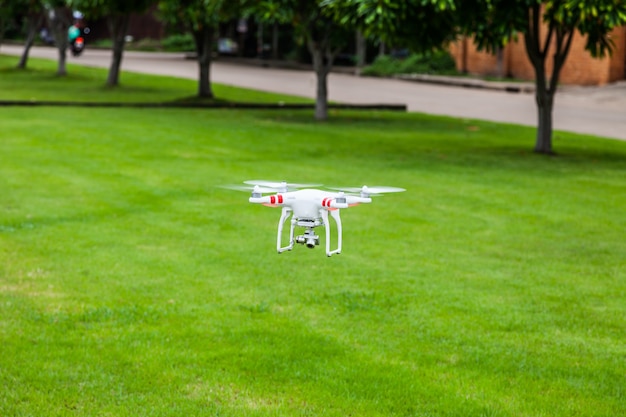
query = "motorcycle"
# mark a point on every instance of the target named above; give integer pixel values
(76, 37)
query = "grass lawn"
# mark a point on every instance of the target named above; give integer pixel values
(40, 83)
(130, 284)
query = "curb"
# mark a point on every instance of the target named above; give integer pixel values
(509, 87)
(224, 105)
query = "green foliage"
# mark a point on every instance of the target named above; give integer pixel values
(494, 22)
(108, 8)
(271, 11)
(439, 62)
(179, 42)
(194, 14)
(310, 19)
(423, 25)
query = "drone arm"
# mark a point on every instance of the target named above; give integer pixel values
(268, 199)
(352, 200)
(283, 217)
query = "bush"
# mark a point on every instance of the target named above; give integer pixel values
(431, 63)
(179, 43)
(145, 44)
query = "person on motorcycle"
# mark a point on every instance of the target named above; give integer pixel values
(75, 34)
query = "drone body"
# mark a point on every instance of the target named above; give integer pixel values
(309, 208)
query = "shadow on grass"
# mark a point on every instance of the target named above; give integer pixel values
(410, 141)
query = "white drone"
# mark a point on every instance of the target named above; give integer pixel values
(309, 206)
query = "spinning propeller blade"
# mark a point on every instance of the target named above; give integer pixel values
(280, 186)
(249, 188)
(369, 190)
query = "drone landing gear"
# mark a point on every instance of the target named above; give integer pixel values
(309, 238)
(335, 215)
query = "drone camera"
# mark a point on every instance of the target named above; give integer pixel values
(309, 239)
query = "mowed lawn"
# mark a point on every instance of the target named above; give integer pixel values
(131, 284)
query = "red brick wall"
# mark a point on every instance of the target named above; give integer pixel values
(580, 67)
(617, 69)
(520, 66)
(469, 59)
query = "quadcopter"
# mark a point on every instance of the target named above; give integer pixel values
(309, 208)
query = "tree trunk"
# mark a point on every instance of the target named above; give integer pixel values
(318, 40)
(545, 104)
(118, 25)
(321, 74)
(60, 21)
(360, 52)
(545, 90)
(464, 47)
(321, 100)
(544, 97)
(499, 63)
(33, 23)
(204, 48)
(259, 41)
(275, 41)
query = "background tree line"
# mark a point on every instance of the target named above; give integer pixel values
(325, 26)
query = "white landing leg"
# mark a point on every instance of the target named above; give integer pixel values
(283, 217)
(335, 215)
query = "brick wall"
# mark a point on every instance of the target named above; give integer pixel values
(580, 67)
(617, 70)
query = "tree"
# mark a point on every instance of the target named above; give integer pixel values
(547, 28)
(117, 13)
(33, 12)
(314, 25)
(201, 19)
(59, 16)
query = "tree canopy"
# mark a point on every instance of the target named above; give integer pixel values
(420, 25)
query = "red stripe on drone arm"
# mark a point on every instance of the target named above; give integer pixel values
(280, 199)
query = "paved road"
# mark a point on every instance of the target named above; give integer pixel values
(594, 110)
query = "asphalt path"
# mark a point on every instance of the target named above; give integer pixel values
(594, 110)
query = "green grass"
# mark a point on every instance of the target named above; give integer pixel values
(40, 83)
(131, 285)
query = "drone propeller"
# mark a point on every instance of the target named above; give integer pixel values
(366, 191)
(249, 188)
(280, 186)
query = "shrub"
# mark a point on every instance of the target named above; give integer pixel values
(146, 44)
(431, 63)
(179, 43)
